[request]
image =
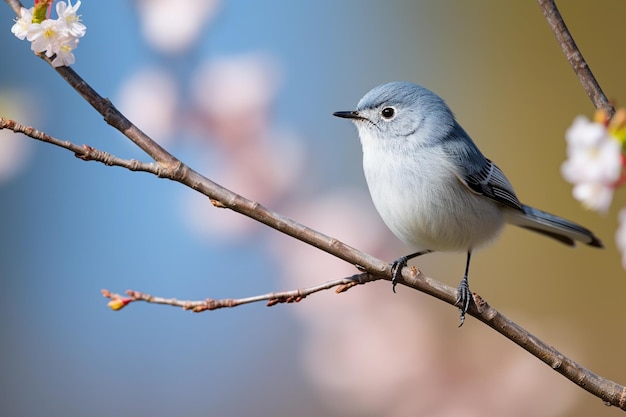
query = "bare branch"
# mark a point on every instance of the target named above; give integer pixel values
(293, 296)
(575, 57)
(84, 152)
(116, 119)
(16, 5)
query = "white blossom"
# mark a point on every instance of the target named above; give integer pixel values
(64, 55)
(69, 21)
(44, 37)
(54, 37)
(594, 163)
(20, 28)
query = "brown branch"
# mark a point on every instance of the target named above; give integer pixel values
(575, 57)
(16, 5)
(293, 296)
(84, 152)
(167, 166)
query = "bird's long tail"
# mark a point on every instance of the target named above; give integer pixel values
(552, 226)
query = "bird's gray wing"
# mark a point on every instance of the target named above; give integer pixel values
(477, 173)
(483, 177)
(488, 180)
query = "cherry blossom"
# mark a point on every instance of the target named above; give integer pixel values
(55, 37)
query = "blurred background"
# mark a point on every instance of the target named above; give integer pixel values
(243, 92)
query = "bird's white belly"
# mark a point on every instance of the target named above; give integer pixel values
(431, 209)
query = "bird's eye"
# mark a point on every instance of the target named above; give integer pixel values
(388, 113)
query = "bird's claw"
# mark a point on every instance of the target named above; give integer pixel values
(463, 299)
(396, 270)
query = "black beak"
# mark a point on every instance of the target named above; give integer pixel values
(347, 114)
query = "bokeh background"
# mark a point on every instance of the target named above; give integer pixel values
(243, 92)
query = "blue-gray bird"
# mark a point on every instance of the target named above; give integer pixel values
(431, 184)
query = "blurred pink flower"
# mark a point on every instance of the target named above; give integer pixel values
(173, 26)
(233, 97)
(150, 98)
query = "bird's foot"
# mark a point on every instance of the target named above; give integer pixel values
(463, 298)
(396, 270)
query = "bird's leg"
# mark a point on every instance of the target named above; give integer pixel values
(398, 264)
(463, 293)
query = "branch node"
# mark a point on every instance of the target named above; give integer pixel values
(346, 287)
(272, 302)
(217, 203)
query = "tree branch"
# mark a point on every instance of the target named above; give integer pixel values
(85, 152)
(575, 57)
(16, 5)
(293, 296)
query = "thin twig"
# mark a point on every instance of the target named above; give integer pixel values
(84, 152)
(575, 57)
(292, 296)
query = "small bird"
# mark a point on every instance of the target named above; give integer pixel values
(433, 187)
